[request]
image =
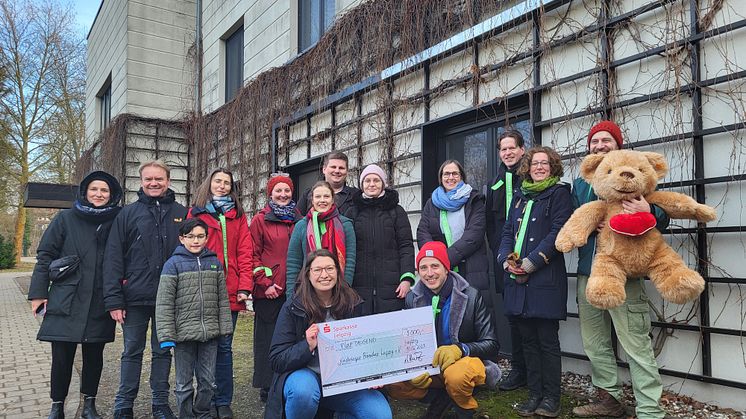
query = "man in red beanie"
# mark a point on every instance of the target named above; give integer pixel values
(465, 335)
(631, 320)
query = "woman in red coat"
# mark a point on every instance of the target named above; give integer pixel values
(217, 204)
(270, 234)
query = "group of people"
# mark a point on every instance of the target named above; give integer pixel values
(339, 252)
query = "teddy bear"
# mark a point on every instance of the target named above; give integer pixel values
(630, 247)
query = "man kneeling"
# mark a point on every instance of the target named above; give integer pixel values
(465, 334)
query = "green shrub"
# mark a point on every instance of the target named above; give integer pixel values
(7, 254)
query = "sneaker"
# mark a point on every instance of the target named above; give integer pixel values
(225, 412)
(125, 413)
(163, 411)
(549, 408)
(528, 407)
(514, 380)
(604, 405)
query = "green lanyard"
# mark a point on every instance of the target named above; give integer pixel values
(522, 229)
(508, 190)
(316, 231)
(446, 229)
(436, 310)
(221, 217)
(524, 226)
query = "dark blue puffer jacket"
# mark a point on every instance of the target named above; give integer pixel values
(142, 238)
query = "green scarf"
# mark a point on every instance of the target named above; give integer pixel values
(531, 188)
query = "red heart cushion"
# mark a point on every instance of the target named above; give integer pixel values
(635, 224)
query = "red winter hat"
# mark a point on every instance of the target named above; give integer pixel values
(435, 250)
(609, 127)
(274, 180)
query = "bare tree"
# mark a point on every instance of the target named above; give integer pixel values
(31, 41)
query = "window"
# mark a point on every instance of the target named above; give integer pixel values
(314, 18)
(104, 103)
(233, 63)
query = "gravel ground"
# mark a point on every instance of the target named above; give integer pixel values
(246, 402)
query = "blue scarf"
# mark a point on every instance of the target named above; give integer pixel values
(222, 203)
(284, 213)
(452, 200)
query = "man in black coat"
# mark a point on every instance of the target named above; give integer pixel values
(142, 238)
(335, 172)
(499, 198)
(465, 336)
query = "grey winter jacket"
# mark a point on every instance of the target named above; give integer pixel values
(192, 302)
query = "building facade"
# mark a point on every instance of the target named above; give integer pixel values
(410, 84)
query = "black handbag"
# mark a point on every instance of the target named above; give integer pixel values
(62, 268)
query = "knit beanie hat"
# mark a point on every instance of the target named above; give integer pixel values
(373, 169)
(609, 127)
(274, 180)
(434, 249)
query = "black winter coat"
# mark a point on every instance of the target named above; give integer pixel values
(143, 237)
(75, 307)
(289, 352)
(494, 206)
(469, 253)
(545, 294)
(384, 252)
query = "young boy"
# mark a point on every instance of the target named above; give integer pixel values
(191, 311)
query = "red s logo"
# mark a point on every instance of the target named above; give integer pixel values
(327, 329)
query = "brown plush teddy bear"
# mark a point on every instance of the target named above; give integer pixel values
(628, 246)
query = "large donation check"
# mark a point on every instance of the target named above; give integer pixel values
(375, 350)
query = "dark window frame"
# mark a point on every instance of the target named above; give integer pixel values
(234, 62)
(314, 18)
(104, 101)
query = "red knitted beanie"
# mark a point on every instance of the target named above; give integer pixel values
(435, 250)
(274, 180)
(609, 127)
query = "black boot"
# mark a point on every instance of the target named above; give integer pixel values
(89, 408)
(57, 411)
(462, 413)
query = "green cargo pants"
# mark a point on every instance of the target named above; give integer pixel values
(632, 324)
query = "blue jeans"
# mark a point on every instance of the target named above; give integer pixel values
(195, 360)
(135, 330)
(302, 393)
(224, 368)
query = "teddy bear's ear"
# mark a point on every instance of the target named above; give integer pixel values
(658, 162)
(589, 165)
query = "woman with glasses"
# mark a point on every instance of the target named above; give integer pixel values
(270, 235)
(322, 295)
(454, 215)
(69, 296)
(385, 253)
(535, 292)
(322, 228)
(216, 203)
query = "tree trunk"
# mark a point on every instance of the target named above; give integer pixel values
(20, 224)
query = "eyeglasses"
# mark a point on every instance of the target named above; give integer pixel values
(195, 236)
(446, 175)
(329, 269)
(276, 174)
(540, 163)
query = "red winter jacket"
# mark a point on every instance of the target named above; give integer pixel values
(270, 237)
(238, 273)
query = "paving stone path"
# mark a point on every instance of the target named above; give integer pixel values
(24, 361)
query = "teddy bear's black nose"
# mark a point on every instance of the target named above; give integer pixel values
(628, 175)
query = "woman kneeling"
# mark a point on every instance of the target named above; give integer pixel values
(322, 295)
